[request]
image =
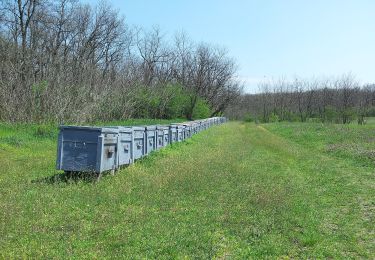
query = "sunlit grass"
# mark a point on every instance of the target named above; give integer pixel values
(236, 190)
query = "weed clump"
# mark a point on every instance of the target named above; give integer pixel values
(12, 140)
(45, 131)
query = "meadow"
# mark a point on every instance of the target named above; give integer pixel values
(239, 190)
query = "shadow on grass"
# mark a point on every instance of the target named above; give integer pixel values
(75, 177)
(70, 177)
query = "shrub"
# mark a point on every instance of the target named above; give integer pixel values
(273, 118)
(330, 114)
(248, 118)
(45, 131)
(170, 101)
(348, 115)
(201, 109)
(178, 101)
(12, 140)
(313, 120)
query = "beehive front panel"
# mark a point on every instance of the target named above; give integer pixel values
(139, 149)
(109, 152)
(172, 134)
(125, 146)
(160, 139)
(151, 142)
(77, 149)
(166, 140)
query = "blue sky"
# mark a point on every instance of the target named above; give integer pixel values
(272, 38)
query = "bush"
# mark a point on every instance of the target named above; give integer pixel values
(178, 101)
(273, 118)
(163, 102)
(313, 120)
(248, 118)
(291, 117)
(45, 131)
(201, 109)
(348, 115)
(167, 102)
(370, 112)
(330, 114)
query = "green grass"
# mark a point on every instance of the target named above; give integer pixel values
(238, 190)
(17, 134)
(370, 120)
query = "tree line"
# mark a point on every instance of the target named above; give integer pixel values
(337, 100)
(67, 61)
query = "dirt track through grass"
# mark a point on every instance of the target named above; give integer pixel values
(235, 190)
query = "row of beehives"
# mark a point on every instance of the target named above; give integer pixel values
(99, 149)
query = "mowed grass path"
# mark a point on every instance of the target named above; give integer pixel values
(236, 190)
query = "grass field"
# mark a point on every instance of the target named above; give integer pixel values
(239, 190)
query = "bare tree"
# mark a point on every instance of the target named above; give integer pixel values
(337, 100)
(64, 60)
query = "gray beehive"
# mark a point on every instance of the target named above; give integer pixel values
(139, 147)
(180, 132)
(162, 136)
(188, 130)
(125, 146)
(87, 149)
(172, 134)
(150, 138)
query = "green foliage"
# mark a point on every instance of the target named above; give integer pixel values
(314, 120)
(370, 112)
(348, 115)
(171, 101)
(274, 118)
(45, 131)
(178, 101)
(330, 114)
(144, 102)
(12, 140)
(292, 117)
(201, 109)
(248, 118)
(370, 120)
(166, 102)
